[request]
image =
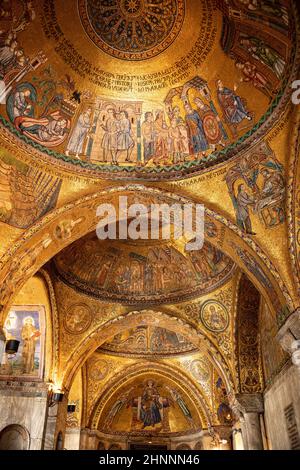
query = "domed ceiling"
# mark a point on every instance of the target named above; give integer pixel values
(142, 89)
(145, 272)
(146, 341)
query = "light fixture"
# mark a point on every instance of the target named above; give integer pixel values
(58, 397)
(12, 346)
(55, 398)
(71, 408)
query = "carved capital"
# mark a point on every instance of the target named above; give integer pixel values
(247, 403)
(290, 332)
(224, 432)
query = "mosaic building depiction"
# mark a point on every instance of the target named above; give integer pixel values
(141, 343)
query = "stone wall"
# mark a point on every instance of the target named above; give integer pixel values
(282, 410)
(24, 405)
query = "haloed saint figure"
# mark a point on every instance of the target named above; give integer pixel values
(150, 406)
(30, 335)
(26, 325)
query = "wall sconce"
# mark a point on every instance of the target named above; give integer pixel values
(12, 346)
(71, 408)
(58, 397)
(55, 398)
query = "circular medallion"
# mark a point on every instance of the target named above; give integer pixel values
(78, 319)
(132, 29)
(214, 316)
(200, 370)
(99, 370)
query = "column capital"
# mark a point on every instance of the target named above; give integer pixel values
(243, 403)
(223, 431)
(289, 333)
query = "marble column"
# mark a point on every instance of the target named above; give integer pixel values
(72, 438)
(248, 407)
(88, 439)
(254, 435)
(55, 422)
(237, 439)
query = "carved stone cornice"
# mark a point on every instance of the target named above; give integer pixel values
(23, 388)
(243, 403)
(224, 431)
(289, 333)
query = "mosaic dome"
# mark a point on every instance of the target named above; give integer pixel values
(145, 272)
(144, 341)
(140, 89)
(132, 29)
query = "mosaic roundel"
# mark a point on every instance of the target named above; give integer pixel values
(78, 319)
(99, 370)
(132, 29)
(200, 370)
(214, 316)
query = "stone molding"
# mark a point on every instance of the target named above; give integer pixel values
(244, 403)
(290, 332)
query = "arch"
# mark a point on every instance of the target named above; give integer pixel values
(101, 446)
(14, 437)
(293, 197)
(162, 370)
(248, 354)
(41, 242)
(131, 320)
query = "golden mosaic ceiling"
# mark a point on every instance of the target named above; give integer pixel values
(174, 410)
(132, 29)
(146, 341)
(142, 90)
(145, 272)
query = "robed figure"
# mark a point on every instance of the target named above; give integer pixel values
(232, 105)
(197, 140)
(150, 405)
(30, 336)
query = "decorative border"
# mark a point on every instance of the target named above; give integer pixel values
(157, 173)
